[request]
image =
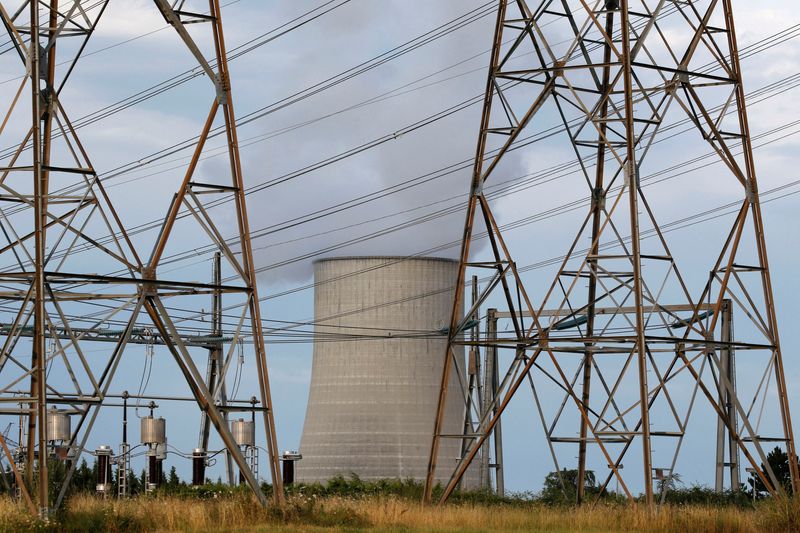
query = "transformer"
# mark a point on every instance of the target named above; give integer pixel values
(104, 475)
(244, 432)
(199, 458)
(58, 426)
(288, 460)
(153, 430)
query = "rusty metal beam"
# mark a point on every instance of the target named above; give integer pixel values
(612, 84)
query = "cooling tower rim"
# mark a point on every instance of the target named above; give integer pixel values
(385, 257)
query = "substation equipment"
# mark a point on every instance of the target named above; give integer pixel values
(289, 460)
(632, 330)
(67, 254)
(244, 434)
(59, 427)
(153, 435)
(105, 481)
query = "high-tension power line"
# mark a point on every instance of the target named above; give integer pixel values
(779, 37)
(409, 46)
(280, 333)
(559, 172)
(757, 96)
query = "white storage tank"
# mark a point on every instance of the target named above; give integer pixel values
(153, 430)
(58, 426)
(377, 369)
(244, 432)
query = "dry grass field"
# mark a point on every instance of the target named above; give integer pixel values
(380, 513)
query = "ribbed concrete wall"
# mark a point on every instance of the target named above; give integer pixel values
(372, 402)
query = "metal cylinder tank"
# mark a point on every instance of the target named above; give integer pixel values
(244, 432)
(58, 426)
(161, 450)
(199, 458)
(153, 430)
(377, 369)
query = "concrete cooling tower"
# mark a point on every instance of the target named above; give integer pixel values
(372, 402)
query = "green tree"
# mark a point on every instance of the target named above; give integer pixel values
(173, 481)
(134, 485)
(778, 460)
(556, 492)
(8, 480)
(670, 483)
(56, 473)
(84, 478)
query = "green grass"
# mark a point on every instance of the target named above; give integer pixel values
(393, 506)
(238, 511)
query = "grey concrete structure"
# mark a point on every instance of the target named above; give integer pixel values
(377, 369)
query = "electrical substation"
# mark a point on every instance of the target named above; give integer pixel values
(627, 344)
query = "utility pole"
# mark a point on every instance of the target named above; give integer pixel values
(474, 393)
(726, 441)
(124, 452)
(490, 390)
(216, 386)
(488, 408)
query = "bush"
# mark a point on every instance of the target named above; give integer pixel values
(311, 511)
(700, 495)
(407, 489)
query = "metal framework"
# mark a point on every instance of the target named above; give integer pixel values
(630, 337)
(60, 227)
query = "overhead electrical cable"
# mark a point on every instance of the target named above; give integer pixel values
(702, 217)
(428, 37)
(104, 48)
(676, 170)
(376, 142)
(195, 72)
(267, 297)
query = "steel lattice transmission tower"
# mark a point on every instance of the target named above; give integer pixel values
(629, 335)
(60, 229)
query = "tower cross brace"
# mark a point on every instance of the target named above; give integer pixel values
(622, 324)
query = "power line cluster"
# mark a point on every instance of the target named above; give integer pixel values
(453, 205)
